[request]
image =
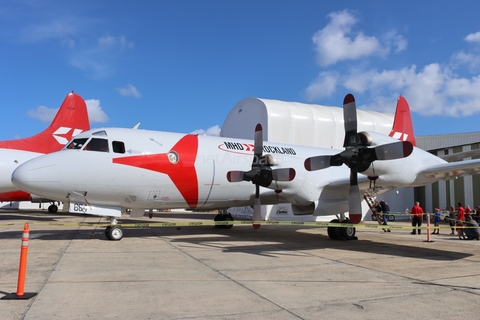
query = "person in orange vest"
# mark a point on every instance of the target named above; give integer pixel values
(417, 216)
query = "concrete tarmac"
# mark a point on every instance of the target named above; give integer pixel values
(276, 272)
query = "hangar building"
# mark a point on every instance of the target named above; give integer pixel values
(322, 126)
(300, 124)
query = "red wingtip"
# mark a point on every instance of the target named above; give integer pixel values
(402, 124)
(355, 218)
(258, 127)
(71, 119)
(348, 99)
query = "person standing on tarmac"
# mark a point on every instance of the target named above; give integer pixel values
(436, 221)
(385, 211)
(460, 220)
(417, 216)
(451, 219)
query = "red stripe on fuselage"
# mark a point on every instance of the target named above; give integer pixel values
(183, 173)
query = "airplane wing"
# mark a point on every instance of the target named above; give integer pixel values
(461, 155)
(451, 170)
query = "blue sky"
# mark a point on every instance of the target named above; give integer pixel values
(182, 65)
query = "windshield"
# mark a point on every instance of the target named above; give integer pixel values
(97, 144)
(76, 143)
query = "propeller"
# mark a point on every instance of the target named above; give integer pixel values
(261, 173)
(357, 156)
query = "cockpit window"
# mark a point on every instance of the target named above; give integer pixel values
(102, 133)
(97, 144)
(118, 146)
(76, 143)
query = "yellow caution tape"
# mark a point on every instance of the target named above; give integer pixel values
(241, 222)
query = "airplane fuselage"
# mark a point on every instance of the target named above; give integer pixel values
(141, 169)
(157, 170)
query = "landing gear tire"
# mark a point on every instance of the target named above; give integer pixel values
(341, 233)
(333, 231)
(114, 233)
(52, 208)
(224, 217)
(107, 232)
(347, 233)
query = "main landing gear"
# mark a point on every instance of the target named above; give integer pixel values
(114, 232)
(342, 233)
(223, 215)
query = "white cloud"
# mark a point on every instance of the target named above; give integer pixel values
(212, 131)
(337, 42)
(435, 89)
(55, 29)
(473, 37)
(129, 91)
(398, 42)
(469, 59)
(323, 86)
(95, 112)
(43, 114)
(100, 59)
(110, 41)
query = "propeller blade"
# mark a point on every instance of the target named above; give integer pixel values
(396, 150)
(317, 163)
(235, 176)
(257, 213)
(354, 200)
(284, 174)
(258, 145)
(350, 121)
(354, 205)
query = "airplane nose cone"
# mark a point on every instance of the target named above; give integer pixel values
(36, 177)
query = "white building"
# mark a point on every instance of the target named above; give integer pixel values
(299, 124)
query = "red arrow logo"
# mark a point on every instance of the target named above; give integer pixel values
(182, 173)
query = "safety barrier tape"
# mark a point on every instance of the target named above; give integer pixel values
(241, 222)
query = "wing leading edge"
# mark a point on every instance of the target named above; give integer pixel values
(449, 170)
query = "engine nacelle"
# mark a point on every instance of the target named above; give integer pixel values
(365, 138)
(375, 138)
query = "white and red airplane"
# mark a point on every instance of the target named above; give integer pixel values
(71, 119)
(108, 170)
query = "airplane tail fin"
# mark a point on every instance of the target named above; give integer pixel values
(402, 123)
(71, 119)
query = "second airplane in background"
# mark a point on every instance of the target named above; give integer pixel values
(71, 119)
(108, 170)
